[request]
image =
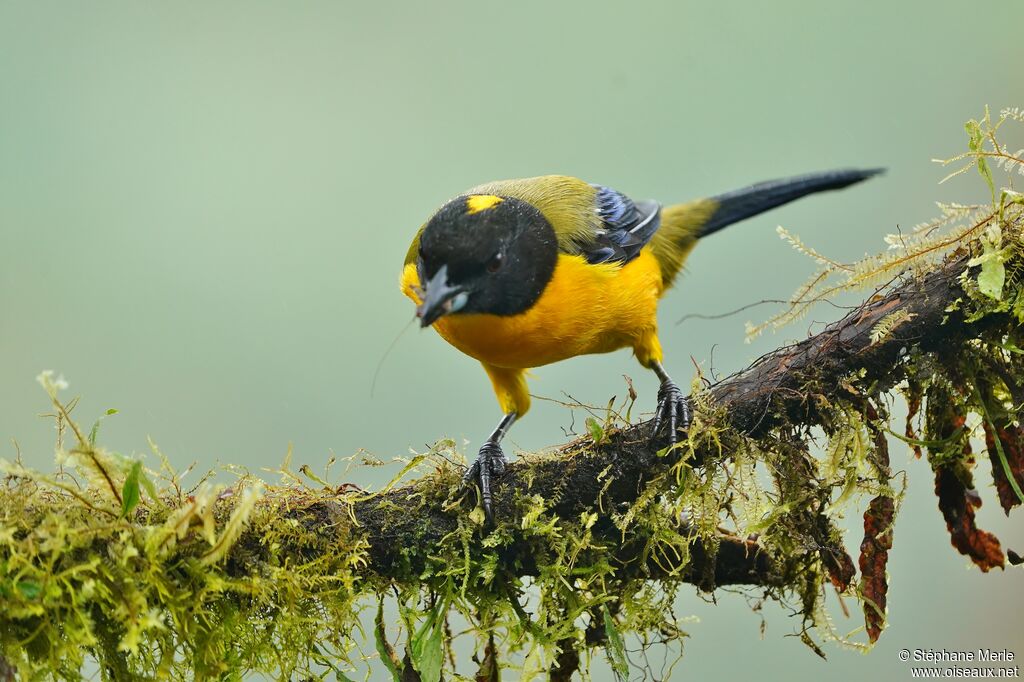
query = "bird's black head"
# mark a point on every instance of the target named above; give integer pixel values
(484, 254)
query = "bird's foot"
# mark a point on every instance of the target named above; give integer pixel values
(490, 463)
(673, 411)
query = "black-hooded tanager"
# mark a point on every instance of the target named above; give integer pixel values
(523, 273)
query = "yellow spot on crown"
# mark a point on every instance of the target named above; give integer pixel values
(481, 202)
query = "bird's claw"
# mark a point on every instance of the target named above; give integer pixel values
(490, 464)
(673, 411)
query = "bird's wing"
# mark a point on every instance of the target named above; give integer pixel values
(593, 221)
(625, 227)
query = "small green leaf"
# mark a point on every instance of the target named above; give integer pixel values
(993, 273)
(984, 171)
(992, 278)
(616, 647)
(30, 589)
(975, 142)
(594, 429)
(308, 473)
(387, 654)
(425, 647)
(96, 427)
(147, 483)
(974, 135)
(130, 491)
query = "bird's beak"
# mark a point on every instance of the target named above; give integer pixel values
(439, 298)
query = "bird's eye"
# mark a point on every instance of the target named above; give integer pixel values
(494, 264)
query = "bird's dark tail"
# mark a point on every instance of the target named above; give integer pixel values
(741, 204)
(683, 224)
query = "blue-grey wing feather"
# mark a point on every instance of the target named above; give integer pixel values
(626, 227)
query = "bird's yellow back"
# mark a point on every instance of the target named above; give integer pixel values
(568, 204)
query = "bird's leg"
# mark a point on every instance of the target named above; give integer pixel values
(490, 463)
(673, 407)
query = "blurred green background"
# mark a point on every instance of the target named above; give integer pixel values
(204, 209)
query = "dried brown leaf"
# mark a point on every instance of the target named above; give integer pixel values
(957, 503)
(839, 565)
(874, 555)
(1011, 438)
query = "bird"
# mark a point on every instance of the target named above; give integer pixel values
(527, 272)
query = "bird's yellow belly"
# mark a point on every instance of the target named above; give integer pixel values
(584, 309)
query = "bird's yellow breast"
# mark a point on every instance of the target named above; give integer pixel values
(585, 308)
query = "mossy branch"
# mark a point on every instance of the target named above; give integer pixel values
(597, 498)
(589, 497)
(785, 388)
(109, 560)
